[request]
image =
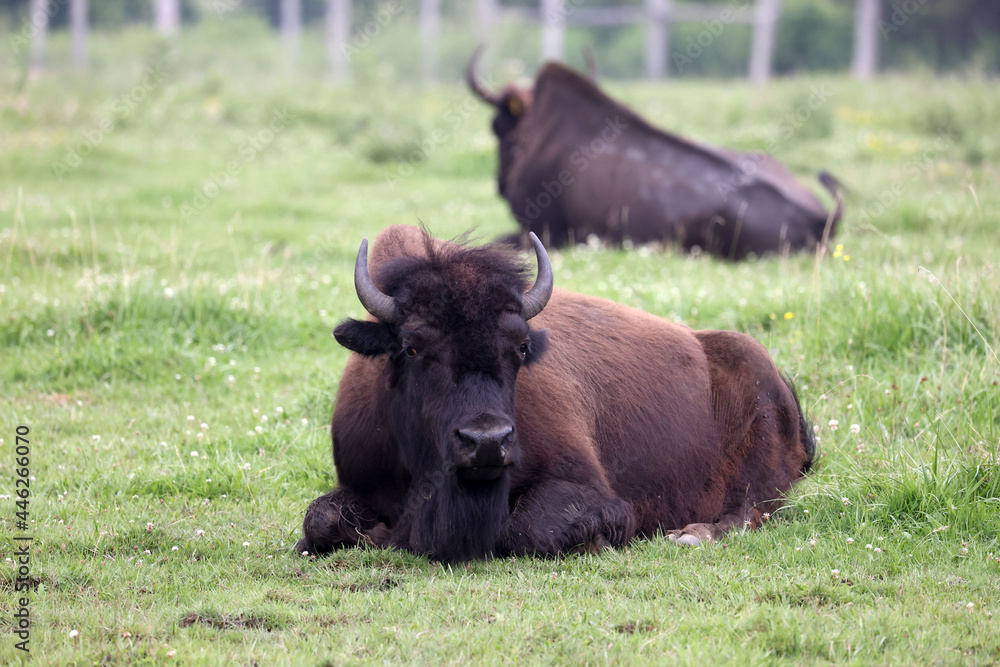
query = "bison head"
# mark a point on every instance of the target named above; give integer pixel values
(511, 104)
(453, 327)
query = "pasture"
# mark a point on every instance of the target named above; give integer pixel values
(177, 239)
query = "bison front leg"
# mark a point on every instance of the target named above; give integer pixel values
(556, 516)
(340, 519)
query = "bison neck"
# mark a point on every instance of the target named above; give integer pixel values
(451, 520)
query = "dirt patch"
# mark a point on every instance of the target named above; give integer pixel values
(231, 622)
(34, 582)
(278, 595)
(343, 619)
(632, 627)
(62, 400)
(809, 596)
(383, 584)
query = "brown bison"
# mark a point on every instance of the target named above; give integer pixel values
(574, 162)
(462, 432)
(621, 424)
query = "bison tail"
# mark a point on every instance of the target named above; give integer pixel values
(806, 434)
(836, 190)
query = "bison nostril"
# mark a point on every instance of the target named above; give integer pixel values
(490, 438)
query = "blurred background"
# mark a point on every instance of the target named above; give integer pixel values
(183, 188)
(412, 40)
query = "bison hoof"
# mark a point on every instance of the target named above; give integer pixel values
(303, 548)
(686, 540)
(378, 535)
(594, 546)
(692, 535)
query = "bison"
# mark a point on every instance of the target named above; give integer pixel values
(574, 162)
(482, 416)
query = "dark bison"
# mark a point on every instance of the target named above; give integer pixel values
(621, 424)
(574, 162)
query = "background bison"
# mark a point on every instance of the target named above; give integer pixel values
(574, 162)
(461, 432)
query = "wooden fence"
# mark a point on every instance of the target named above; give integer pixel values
(656, 15)
(552, 15)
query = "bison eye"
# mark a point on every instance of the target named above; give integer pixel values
(411, 351)
(523, 349)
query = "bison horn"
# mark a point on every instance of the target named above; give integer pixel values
(535, 298)
(375, 302)
(475, 85)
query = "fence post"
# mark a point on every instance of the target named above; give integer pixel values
(291, 28)
(338, 32)
(39, 18)
(79, 25)
(430, 28)
(553, 28)
(866, 16)
(657, 38)
(764, 23)
(167, 15)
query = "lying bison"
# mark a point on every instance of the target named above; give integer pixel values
(574, 162)
(620, 425)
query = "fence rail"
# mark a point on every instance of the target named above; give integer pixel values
(553, 17)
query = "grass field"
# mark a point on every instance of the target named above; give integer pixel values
(177, 242)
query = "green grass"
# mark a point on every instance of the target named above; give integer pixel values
(126, 324)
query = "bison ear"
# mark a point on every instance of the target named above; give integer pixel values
(539, 342)
(515, 106)
(367, 338)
